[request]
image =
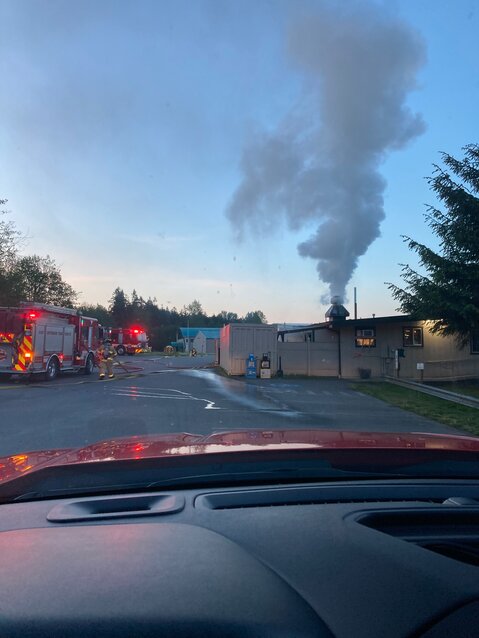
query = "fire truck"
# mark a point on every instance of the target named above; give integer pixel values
(37, 338)
(127, 340)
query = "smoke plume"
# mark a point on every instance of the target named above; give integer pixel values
(321, 163)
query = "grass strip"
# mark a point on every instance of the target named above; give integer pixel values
(470, 388)
(457, 416)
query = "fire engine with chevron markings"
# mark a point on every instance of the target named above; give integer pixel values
(41, 339)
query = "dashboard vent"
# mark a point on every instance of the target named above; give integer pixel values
(89, 509)
(463, 552)
(331, 495)
(215, 505)
(450, 531)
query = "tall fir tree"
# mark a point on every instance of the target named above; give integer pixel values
(447, 291)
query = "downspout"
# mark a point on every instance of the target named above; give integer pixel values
(339, 354)
(338, 332)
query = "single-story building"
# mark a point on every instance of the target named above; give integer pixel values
(396, 346)
(203, 340)
(239, 340)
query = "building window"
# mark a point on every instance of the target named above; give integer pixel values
(412, 337)
(365, 338)
(475, 341)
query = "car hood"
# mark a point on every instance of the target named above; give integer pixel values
(184, 444)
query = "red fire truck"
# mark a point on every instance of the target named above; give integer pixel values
(41, 339)
(127, 340)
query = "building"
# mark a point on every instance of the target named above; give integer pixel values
(203, 340)
(239, 340)
(206, 340)
(394, 346)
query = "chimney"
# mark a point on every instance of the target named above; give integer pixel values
(336, 312)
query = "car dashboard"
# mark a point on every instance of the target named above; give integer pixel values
(359, 559)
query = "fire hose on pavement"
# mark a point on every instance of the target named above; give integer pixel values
(128, 369)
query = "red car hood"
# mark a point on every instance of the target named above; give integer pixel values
(163, 445)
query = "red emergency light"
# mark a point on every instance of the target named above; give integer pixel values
(32, 315)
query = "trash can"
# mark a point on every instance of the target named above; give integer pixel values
(364, 373)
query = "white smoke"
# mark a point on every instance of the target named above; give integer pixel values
(322, 162)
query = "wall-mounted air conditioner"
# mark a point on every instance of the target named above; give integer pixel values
(366, 332)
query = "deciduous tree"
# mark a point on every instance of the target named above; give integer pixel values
(10, 239)
(39, 279)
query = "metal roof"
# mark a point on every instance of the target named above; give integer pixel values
(338, 323)
(210, 333)
(375, 320)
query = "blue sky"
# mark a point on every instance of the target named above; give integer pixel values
(122, 127)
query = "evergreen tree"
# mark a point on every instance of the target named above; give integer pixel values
(119, 308)
(448, 291)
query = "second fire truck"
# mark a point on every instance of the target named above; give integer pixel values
(127, 340)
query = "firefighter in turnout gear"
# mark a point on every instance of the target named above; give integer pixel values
(106, 354)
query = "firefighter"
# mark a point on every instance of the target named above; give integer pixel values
(106, 353)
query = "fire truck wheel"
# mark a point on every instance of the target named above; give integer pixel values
(52, 369)
(120, 350)
(90, 364)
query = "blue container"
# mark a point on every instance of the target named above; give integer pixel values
(250, 372)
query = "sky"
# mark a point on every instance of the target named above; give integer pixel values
(261, 154)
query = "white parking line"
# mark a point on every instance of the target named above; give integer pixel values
(176, 395)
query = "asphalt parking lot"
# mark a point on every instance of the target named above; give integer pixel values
(181, 394)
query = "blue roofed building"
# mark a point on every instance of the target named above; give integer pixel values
(203, 340)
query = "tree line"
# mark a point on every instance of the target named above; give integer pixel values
(39, 279)
(162, 324)
(444, 288)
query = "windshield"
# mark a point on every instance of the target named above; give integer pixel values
(240, 234)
